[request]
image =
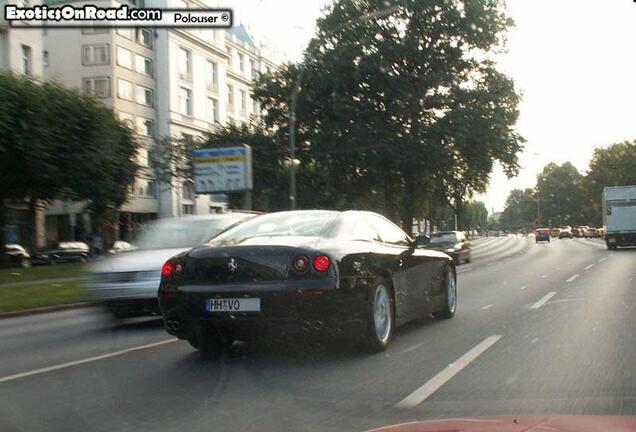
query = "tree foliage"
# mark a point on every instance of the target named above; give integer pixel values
(397, 99)
(58, 144)
(520, 210)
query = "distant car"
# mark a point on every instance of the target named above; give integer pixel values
(121, 246)
(576, 232)
(452, 243)
(542, 234)
(600, 233)
(18, 255)
(590, 233)
(565, 232)
(62, 252)
(127, 283)
(554, 232)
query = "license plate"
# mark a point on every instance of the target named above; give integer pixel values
(233, 305)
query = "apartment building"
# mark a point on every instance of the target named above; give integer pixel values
(21, 52)
(176, 83)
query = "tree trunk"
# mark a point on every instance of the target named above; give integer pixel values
(3, 235)
(407, 205)
(461, 216)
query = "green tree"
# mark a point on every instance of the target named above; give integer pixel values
(611, 166)
(58, 144)
(391, 108)
(560, 192)
(520, 210)
(476, 216)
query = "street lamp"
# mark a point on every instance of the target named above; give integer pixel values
(294, 97)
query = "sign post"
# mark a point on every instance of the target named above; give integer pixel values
(224, 170)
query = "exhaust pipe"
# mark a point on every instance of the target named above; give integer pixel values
(173, 325)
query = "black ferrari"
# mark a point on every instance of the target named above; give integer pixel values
(346, 273)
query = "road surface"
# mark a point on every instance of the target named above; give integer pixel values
(540, 328)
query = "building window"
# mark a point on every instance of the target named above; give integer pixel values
(26, 60)
(144, 37)
(125, 90)
(185, 101)
(151, 188)
(95, 55)
(212, 110)
(185, 64)
(127, 118)
(97, 87)
(94, 30)
(187, 191)
(145, 127)
(241, 59)
(45, 58)
(230, 98)
(143, 65)
(211, 75)
(188, 209)
(128, 33)
(255, 108)
(253, 69)
(230, 59)
(124, 58)
(145, 96)
(243, 100)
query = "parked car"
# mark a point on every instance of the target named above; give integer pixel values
(18, 255)
(554, 232)
(121, 246)
(304, 272)
(542, 234)
(452, 243)
(565, 232)
(62, 252)
(127, 283)
(576, 232)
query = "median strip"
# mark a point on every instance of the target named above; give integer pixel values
(432, 385)
(83, 361)
(543, 300)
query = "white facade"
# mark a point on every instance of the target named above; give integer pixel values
(20, 49)
(166, 83)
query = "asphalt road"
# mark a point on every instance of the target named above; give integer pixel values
(540, 329)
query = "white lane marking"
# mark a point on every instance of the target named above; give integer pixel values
(544, 276)
(588, 267)
(543, 300)
(534, 340)
(523, 287)
(487, 307)
(432, 385)
(571, 278)
(602, 259)
(85, 360)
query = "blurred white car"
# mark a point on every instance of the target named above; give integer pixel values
(121, 246)
(127, 283)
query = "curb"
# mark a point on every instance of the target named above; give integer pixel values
(46, 309)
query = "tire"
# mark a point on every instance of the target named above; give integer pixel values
(380, 321)
(25, 263)
(450, 295)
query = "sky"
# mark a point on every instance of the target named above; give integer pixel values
(573, 61)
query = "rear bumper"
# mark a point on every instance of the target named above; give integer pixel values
(293, 308)
(621, 239)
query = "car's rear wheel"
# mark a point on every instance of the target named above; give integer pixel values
(380, 316)
(450, 295)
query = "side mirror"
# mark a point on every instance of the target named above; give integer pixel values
(422, 240)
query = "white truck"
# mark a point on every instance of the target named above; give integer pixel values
(619, 216)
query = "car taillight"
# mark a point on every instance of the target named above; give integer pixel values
(167, 269)
(300, 264)
(321, 263)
